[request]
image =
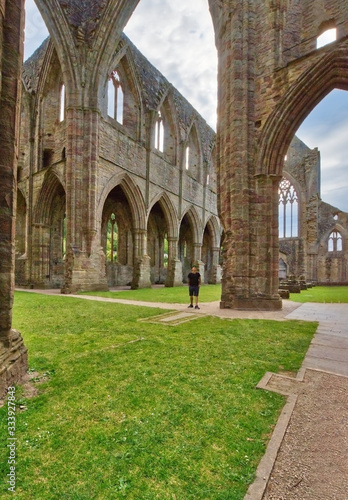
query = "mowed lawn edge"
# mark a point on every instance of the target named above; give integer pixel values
(144, 411)
(212, 293)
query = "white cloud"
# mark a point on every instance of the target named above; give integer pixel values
(178, 39)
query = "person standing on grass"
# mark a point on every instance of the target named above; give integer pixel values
(194, 282)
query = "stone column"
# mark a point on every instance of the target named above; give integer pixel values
(83, 265)
(215, 275)
(248, 279)
(142, 261)
(174, 275)
(13, 353)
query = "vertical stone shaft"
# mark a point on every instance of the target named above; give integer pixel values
(235, 129)
(12, 352)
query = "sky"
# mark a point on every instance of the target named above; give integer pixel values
(177, 37)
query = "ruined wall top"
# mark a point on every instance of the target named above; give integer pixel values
(154, 87)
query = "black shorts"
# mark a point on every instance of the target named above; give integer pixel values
(193, 290)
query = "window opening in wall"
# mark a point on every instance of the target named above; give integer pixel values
(165, 251)
(47, 158)
(159, 132)
(64, 237)
(327, 37)
(288, 210)
(112, 239)
(115, 98)
(187, 157)
(335, 242)
(62, 103)
(208, 179)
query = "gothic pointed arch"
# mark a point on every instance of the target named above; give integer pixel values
(328, 73)
(190, 240)
(165, 128)
(133, 194)
(123, 69)
(193, 155)
(169, 212)
(214, 227)
(51, 187)
(192, 215)
(49, 234)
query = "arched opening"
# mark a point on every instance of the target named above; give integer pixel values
(117, 238)
(115, 97)
(21, 270)
(319, 200)
(186, 246)
(49, 236)
(207, 254)
(157, 244)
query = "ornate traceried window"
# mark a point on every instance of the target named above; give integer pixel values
(159, 132)
(115, 97)
(288, 210)
(334, 243)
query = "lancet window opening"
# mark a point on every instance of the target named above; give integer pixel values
(159, 132)
(62, 103)
(115, 97)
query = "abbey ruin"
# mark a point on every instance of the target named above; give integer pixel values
(90, 175)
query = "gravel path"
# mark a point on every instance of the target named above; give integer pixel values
(312, 463)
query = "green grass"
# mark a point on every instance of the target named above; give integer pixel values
(212, 293)
(328, 294)
(143, 411)
(169, 295)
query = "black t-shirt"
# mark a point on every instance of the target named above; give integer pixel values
(193, 279)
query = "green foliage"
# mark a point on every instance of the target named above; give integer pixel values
(328, 294)
(143, 411)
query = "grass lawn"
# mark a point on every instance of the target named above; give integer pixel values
(169, 295)
(143, 411)
(328, 294)
(211, 293)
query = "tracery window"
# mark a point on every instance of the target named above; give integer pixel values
(335, 242)
(62, 103)
(115, 97)
(288, 210)
(159, 132)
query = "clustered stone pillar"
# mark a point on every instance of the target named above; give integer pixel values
(245, 204)
(174, 275)
(13, 354)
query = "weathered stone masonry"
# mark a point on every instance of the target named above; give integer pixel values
(160, 197)
(13, 354)
(270, 77)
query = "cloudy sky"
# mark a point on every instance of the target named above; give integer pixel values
(177, 37)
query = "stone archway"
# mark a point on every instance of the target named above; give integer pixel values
(48, 248)
(117, 238)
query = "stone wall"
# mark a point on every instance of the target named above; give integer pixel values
(150, 191)
(13, 353)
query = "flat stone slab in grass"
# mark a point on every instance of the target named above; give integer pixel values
(172, 318)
